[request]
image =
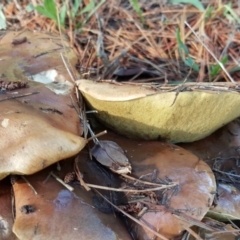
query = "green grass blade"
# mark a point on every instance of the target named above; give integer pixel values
(228, 9)
(214, 70)
(137, 9)
(195, 3)
(44, 12)
(91, 13)
(76, 5)
(50, 6)
(235, 69)
(208, 12)
(63, 14)
(181, 46)
(184, 50)
(88, 8)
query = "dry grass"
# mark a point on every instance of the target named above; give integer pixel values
(152, 47)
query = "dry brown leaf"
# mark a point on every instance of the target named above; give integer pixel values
(111, 155)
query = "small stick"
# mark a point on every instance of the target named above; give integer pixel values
(219, 63)
(131, 190)
(193, 221)
(47, 178)
(226, 231)
(75, 105)
(19, 96)
(68, 70)
(97, 135)
(79, 176)
(133, 219)
(192, 232)
(91, 111)
(233, 224)
(142, 211)
(70, 188)
(229, 174)
(111, 81)
(95, 140)
(180, 87)
(29, 184)
(141, 181)
(85, 185)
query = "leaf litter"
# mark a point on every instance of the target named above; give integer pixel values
(151, 44)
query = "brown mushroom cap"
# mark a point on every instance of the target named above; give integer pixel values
(37, 129)
(221, 151)
(196, 184)
(59, 213)
(31, 142)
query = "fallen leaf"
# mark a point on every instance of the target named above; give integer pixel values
(140, 112)
(111, 155)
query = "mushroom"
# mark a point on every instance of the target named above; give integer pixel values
(57, 213)
(177, 207)
(38, 122)
(140, 112)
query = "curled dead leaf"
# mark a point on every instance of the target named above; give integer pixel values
(111, 155)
